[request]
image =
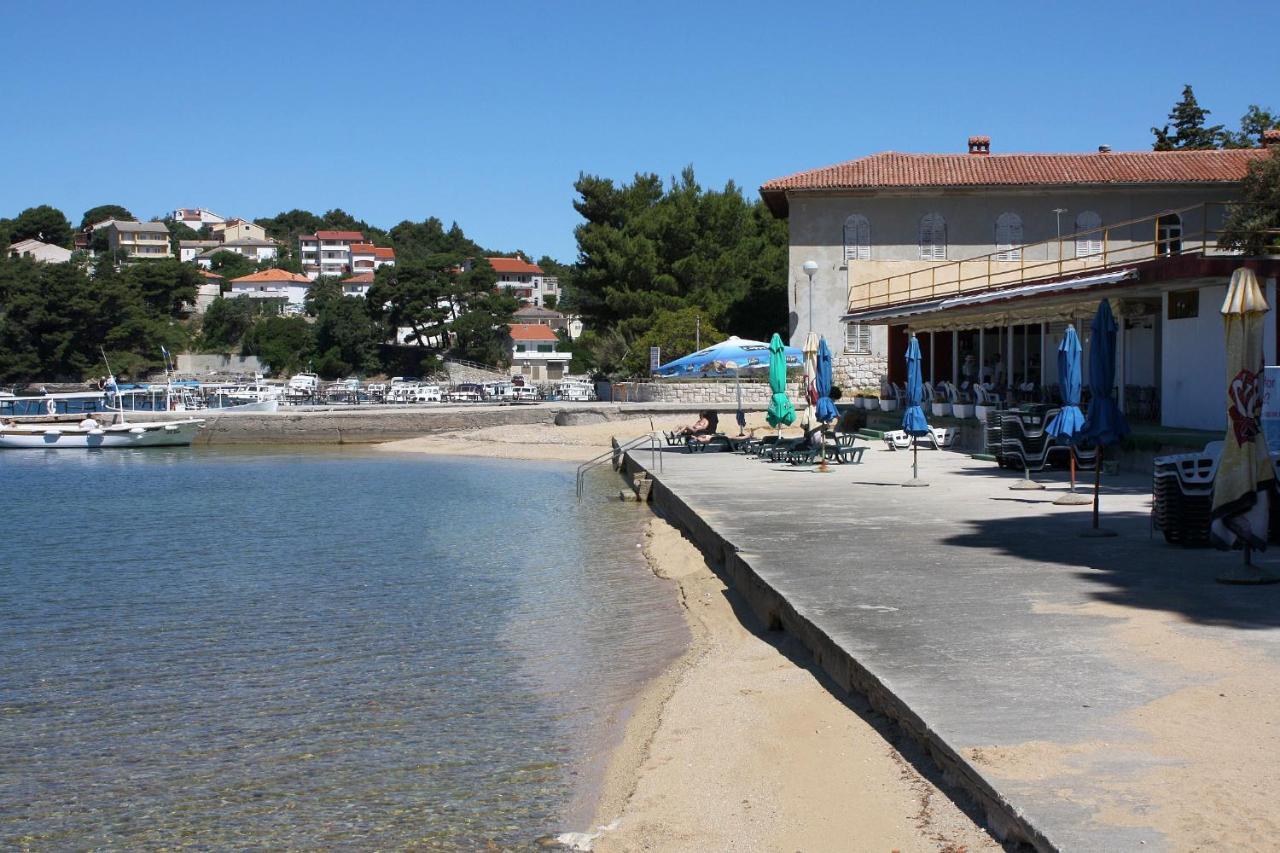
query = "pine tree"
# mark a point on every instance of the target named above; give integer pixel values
(1189, 131)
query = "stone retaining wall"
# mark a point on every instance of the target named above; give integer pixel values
(858, 371)
(755, 394)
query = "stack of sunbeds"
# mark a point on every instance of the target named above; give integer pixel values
(1023, 440)
(1182, 495)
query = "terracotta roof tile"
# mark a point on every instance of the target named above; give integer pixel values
(531, 332)
(273, 275)
(892, 169)
(361, 278)
(514, 265)
(384, 252)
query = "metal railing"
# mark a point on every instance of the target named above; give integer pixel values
(615, 454)
(1190, 230)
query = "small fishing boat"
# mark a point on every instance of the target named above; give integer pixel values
(178, 433)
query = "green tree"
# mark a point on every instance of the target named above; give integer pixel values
(481, 313)
(1253, 124)
(1253, 226)
(1189, 130)
(677, 332)
(423, 240)
(415, 294)
(285, 344)
(645, 249)
(347, 339)
(44, 223)
(229, 264)
(103, 212)
(179, 231)
(166, 286)
(225, 323)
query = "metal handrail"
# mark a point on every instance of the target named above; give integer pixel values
(609, 454)
(1188, 242)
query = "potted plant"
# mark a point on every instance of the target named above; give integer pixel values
(983, 405)
(941, 405)
(888, 400)
(963, 406)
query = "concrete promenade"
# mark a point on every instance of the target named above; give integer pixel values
(1090, 694)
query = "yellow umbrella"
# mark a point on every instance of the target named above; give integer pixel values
(1245, 478)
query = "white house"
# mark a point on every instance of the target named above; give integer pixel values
(273, 284)
(987, 258)
(327, 252)
(189, 249)
(366, 257)
(254, 250)
(534, 352)
(39, 251)
(357, 285)
(196, 218)
(523, 279)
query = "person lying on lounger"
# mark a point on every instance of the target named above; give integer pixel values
(702, 429)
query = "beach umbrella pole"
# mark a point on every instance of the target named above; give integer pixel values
(1072, 497)
(915, 464)
(1096, 532)
(1026, 483)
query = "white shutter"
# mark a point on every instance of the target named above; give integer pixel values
(857, 238)
(1009, 237)
(857, 339)
(933, 238)
(1088, 240)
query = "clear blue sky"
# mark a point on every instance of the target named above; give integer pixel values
(486, 112)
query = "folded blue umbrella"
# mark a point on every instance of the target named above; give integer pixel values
(825, 409)
(1069, 420)
(913, 420)
(1105, 423)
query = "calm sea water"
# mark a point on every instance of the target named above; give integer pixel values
(298, 649)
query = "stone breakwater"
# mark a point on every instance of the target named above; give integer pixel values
(371, 425)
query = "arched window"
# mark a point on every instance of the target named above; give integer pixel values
(857, 238)
(1008, 237)
(933, 237)
(1088, 234)
(1169, 234)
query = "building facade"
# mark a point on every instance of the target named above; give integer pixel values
(988, 257)
(534, 353)
(238, 229)
(46, 253)
(327, 253)
(196, 218)
(255, 250)
(290, 289)
(138, 239)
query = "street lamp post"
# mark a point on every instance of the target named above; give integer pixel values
(810, 269)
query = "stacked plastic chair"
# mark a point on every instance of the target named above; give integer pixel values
(1182, 495)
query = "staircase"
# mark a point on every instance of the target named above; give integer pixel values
(460, 370)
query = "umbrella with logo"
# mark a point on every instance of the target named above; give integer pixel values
(781, 413)
(1245, 477)
(810, 375)
(913, 420)
(1105, 424)
(1067, 424)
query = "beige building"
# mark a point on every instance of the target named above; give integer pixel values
(139, 239)
(987, 258)
(238, 229)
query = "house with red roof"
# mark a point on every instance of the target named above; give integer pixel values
(526, 280)
(988, 257)
(287, 289)
(534, 353)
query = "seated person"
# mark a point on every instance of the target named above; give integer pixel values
(702, 429)
(89, 422)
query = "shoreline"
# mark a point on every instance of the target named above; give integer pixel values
(741, 741)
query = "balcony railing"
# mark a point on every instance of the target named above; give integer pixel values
(1184, 231)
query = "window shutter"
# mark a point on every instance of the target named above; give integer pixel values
(857, 238)
(1009, 237)
(857, 339)
(933, 238)
(1089, 241)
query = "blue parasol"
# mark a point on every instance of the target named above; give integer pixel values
(1067, 423)
(913, 421)
(1105, 424)
(826, 410)
(726, 357)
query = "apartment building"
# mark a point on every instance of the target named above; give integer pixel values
(196, 218)
(327, 253)
(238, 229)
(534, 353)
(366, 257)
(138, 239)
(254, 250)
(525, 280)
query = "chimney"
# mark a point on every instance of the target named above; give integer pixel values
(1271, 138)
(979, 144)
(1104, 149)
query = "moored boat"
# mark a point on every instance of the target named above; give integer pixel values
(176, 433)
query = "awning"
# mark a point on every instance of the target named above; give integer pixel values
(951, 303)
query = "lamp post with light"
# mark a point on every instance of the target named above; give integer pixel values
(810, 269)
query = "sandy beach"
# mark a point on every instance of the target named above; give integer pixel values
(742, 743)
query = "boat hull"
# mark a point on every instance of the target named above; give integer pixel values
(151, 434)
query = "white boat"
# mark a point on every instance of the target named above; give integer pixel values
(178, 433)
(575, 390)
(302, 387)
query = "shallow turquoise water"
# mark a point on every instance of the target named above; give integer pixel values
(299, 649)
